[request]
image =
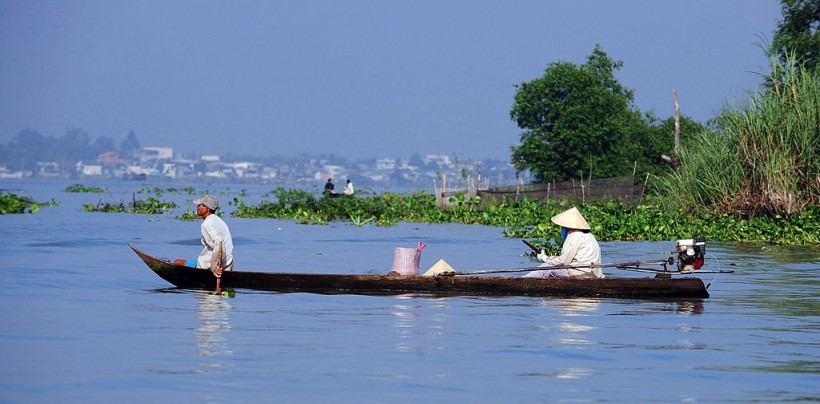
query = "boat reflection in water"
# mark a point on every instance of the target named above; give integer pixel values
(210, 335)
(576, 306)
(689, 307)
(406, 314)
(569, 331)
(572, 333)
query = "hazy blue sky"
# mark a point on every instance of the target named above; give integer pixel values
(361, 78)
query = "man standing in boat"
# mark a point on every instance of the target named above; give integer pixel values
(214, 231)
(580, 248)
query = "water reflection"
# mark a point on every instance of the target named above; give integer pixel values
(571, 332)
(406, 315)
(689, 307)
(744, 255)
(210, 335)
(577, 307)
(574, 373)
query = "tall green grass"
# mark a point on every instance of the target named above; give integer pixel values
(765, 156)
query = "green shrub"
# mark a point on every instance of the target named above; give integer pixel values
(765, 157)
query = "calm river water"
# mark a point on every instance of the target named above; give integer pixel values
(87, 321)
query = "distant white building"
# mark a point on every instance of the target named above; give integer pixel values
(440, 160)
(89, 169)
(245, 169)
(161, 153)
(6, 173)
(386, 164)
(269, 173)
(169, 170)
(216, 174)
(334, 171)
(210, 158)
(139, 170)
(48, 169)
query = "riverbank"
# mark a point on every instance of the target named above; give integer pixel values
(518, 219)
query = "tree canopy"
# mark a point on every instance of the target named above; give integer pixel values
(578, 121)
(30, 147)
(799, 32)
(130, 144)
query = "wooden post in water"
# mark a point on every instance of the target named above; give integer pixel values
(677, 123)
(548, 190)
(583, 193)
(632, 184)
(646, 181)
(673, 160)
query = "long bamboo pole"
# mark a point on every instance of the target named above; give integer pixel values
(609, 265)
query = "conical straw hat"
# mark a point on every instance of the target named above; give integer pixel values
(571, 219)
(440, 267)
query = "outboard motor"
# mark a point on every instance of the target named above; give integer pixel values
(691, 253)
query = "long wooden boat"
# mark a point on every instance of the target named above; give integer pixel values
(637, 288)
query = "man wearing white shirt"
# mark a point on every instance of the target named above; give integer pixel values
(214, 231)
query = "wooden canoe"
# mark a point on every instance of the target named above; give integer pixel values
(637, 288)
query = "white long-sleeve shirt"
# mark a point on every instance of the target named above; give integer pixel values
(215, 230)
(579, 248)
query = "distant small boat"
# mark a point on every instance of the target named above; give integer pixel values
(134, 177)
(664, 287)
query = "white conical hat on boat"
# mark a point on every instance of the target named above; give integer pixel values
(440, 267)
(571, 219)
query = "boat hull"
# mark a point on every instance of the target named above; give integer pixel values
(639, 288)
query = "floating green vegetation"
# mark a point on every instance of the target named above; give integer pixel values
(190, 215)
(187, 216)
(160, 191)
(613, 222)
(80, 188)
(150, 206)
(531, 220)
(225, 293)
(13, 203)
(383, 210)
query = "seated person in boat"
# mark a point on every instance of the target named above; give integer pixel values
(580, 248)
(348, 188)
(214, 230)
(329, 188)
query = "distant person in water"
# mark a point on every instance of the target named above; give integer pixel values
(213, 231)
(348, 188)
(329, 187)
(580, 248)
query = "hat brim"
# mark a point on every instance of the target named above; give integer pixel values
(571, 219)
(205, 203)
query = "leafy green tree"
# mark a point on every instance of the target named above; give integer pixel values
(27, 149)
(658, 139)
(799, 32)
(75, 145)
(104, 144)
(129, 145)
(577, 121)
